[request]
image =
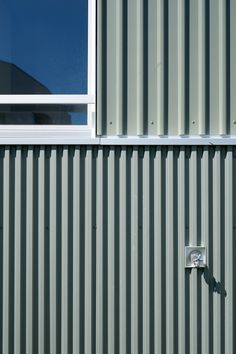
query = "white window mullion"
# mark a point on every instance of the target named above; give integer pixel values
(47, 99)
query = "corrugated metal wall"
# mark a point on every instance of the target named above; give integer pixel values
(92, 250)
(166, 67)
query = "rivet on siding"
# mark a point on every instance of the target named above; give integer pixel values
(152, 123)
(193, 122)
(110, 123)
(234, 121)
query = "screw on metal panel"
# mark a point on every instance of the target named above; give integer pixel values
(152, 123)
(193, 122)
(110, 123)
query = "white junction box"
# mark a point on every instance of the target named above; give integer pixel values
(195, 257)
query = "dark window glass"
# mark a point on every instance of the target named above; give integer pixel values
(43, 46)
(43, 114)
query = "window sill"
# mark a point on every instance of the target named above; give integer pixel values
(46, 135)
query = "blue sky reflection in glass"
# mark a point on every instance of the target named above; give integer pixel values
(43, 46)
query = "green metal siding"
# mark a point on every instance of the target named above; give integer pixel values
(92, 250)
(166, 67)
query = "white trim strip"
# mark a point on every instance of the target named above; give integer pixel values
(170, 140)
(91, 74)
(69, 137)
(47, 99)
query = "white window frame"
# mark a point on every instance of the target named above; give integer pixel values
(58, 134)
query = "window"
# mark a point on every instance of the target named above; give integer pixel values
(47, 69)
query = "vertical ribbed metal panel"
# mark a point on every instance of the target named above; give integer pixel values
(92, 250)
(166, 67)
